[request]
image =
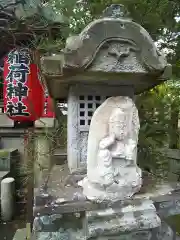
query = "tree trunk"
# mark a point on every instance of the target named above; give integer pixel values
(173, 135)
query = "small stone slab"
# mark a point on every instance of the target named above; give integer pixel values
(45, 123)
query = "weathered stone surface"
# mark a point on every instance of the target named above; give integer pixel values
(68, 223)
(47, 223)
(106, 29)
(159, 194)
(141, 235)
(60, 235)
(52, 236)
(119, 221)
(164, 232)
(112, 171)
(140, 209)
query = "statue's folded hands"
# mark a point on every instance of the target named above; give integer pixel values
(107, 141)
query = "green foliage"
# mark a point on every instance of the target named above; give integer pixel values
(153, 15)
(154, 119)
(77, 13)
(78, 16)
(155, 111)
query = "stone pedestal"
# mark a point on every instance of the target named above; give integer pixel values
(120, 221)
(138, 221)
(137, 218)
(164, 232)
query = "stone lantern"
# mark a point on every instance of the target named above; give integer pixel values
(112, 56)
(98, 73)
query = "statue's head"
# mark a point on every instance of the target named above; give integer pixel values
(124, 103)
(120, 121)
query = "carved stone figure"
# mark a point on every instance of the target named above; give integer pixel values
(112, 172)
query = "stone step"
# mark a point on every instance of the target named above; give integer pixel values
(118, 221)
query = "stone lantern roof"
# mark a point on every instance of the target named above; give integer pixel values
(112, 50)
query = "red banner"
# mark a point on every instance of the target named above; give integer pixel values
(23, 92)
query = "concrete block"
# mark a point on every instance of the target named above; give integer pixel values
(45, 123)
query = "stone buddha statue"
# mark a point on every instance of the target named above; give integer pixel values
(112, 172)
